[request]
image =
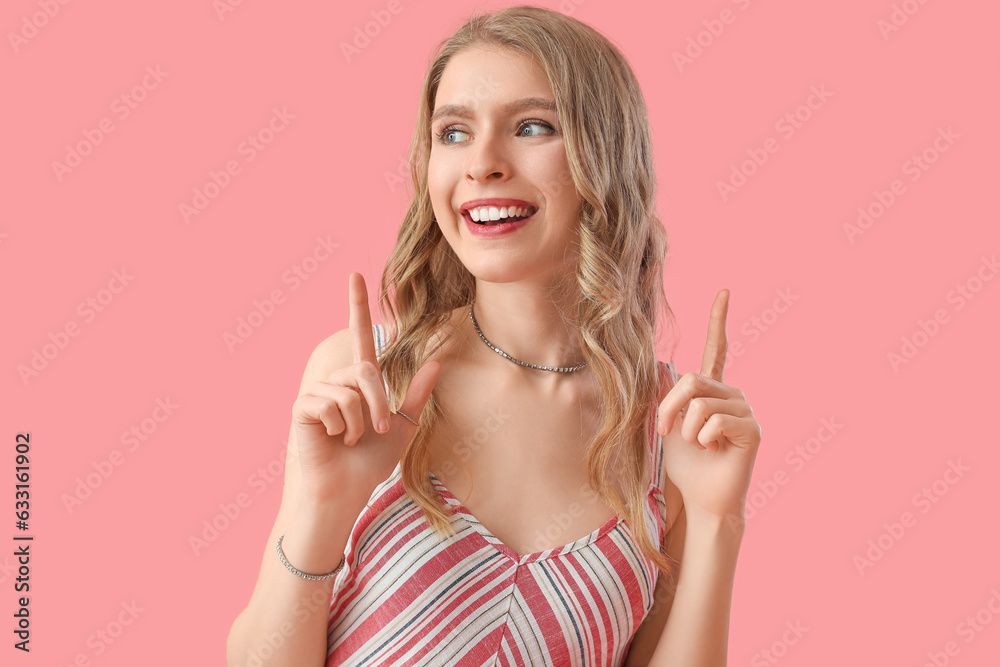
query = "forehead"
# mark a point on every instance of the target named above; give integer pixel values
(485, 75)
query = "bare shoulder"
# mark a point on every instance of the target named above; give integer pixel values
(330, 354)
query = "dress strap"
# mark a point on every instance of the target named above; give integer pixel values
(667, 373)
(382, 337)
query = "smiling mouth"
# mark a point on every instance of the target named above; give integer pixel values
(493, 215)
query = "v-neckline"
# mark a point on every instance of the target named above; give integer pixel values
(521, 559)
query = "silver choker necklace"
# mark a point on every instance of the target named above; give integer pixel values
(516, 361)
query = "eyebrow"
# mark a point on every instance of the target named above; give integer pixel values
(517, 106)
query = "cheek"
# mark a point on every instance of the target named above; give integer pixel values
(554, 179)
(436, 186)
(439, 176)
(433, 173)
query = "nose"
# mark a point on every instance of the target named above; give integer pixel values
(487, 159)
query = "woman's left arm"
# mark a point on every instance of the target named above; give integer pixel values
(697, 631)
(710, 442)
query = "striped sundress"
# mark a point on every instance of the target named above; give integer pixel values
(407, 596)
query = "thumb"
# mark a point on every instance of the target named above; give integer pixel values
(419, 391)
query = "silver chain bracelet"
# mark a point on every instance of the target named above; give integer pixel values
(312, 577)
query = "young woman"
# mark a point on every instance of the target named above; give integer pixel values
(561, 498)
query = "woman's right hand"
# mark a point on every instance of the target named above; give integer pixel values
(342, 453)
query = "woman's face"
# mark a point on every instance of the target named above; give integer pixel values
(497, 149)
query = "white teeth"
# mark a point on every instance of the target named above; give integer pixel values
(484, 213)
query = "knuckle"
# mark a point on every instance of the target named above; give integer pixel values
(694, 380)
(349, 402)
(336, 376)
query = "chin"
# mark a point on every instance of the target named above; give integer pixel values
(496, 270)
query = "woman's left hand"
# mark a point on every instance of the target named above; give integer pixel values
(710, 434)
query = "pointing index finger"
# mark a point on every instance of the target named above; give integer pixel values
(716, 345)
(362, 337)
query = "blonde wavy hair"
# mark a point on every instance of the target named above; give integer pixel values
(622, 246)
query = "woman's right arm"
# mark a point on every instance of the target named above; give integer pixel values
(335, 459)
(286, 617)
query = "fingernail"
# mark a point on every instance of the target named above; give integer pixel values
(383, 426)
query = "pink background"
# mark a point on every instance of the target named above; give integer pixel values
(329, 174)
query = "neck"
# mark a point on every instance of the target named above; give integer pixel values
(529, 325)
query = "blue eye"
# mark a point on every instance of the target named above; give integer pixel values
(447, 131)
(529, 124)
(452, 129)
